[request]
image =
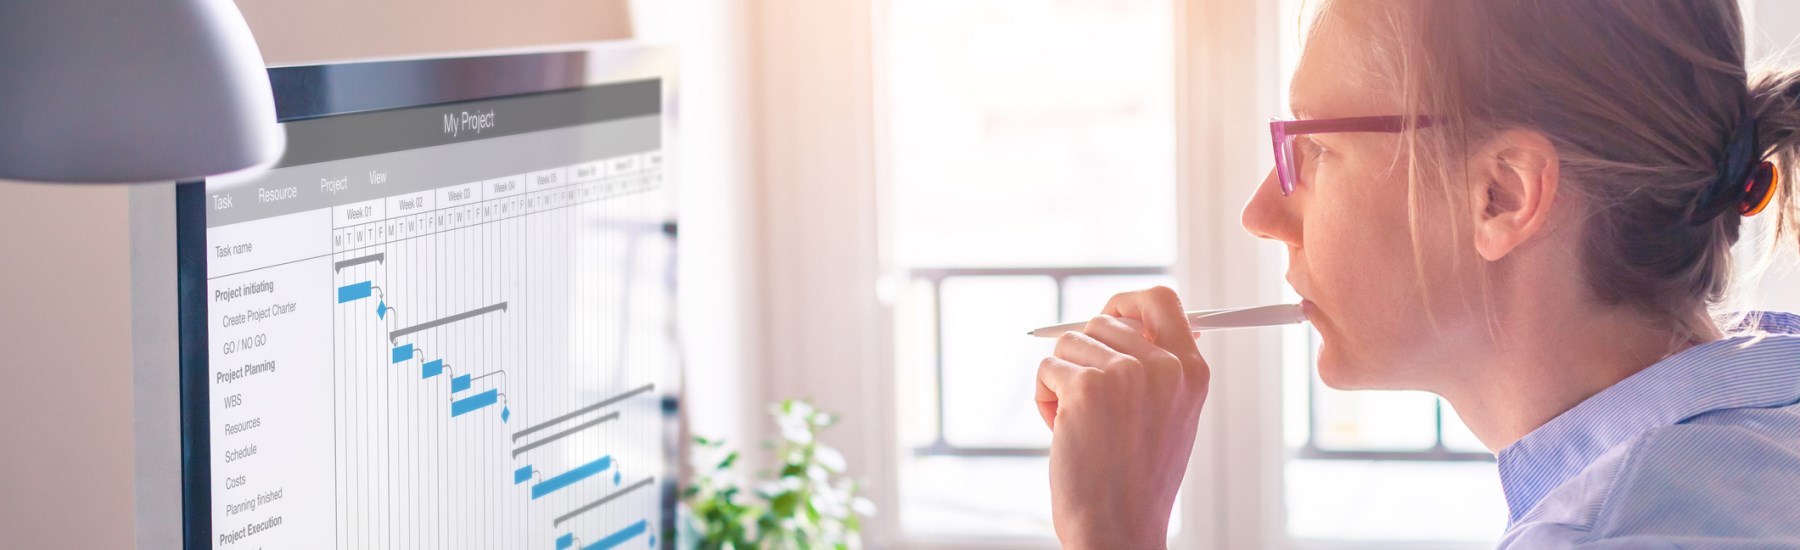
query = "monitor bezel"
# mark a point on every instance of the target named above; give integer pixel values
(307, 91)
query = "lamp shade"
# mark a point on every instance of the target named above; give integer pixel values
(103, 91)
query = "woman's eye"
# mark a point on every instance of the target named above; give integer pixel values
(1308, 150)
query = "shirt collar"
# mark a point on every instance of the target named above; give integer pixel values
(1737, 372)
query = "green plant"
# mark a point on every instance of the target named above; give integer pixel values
(716, 518)
(808, 503)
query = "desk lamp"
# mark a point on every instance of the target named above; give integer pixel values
(103, 91)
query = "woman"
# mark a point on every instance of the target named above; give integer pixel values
(1526, 207)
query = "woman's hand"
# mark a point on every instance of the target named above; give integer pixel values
(1122, 403)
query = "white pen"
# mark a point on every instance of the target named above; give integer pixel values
(1211, 319)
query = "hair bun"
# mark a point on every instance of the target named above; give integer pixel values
(1738, 173)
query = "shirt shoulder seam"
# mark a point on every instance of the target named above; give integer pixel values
(1622, 479)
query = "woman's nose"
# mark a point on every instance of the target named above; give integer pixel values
(1270, 215)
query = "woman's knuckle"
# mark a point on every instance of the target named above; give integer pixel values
(1083, 381)
(1124, 363)
(1067, 340)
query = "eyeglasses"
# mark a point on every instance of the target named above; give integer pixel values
(1289, 160)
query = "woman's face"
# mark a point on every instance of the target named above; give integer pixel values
(1351, 248)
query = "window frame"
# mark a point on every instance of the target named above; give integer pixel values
(934, 278)
(1227, 75)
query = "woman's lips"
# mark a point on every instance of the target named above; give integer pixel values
(1307, 307)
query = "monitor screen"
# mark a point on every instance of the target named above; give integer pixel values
(435, 326)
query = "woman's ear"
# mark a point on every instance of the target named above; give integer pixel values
(1514, 178)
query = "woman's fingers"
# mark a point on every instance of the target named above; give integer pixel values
(1081, 349)
(1107, 343)
(1118, 334)
(1055, 377)
(1160, 311)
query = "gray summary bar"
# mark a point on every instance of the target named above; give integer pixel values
(445, 321)
(376, 257)
(565, 433)
(584, 410)
(603, 500)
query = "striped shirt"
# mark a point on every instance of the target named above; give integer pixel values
(1700, 450)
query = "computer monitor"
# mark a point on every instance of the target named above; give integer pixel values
(445, 318)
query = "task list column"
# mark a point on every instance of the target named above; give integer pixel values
(269, 312)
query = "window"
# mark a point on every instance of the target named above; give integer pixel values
(1030, 177)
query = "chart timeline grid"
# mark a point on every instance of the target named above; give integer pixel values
(488, 315)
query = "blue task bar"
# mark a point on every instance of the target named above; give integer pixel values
(432, 368)
(356, 291)
(615, 539)
(403, 353)
(522, 475)
(483, 399)
(565, 541)
(570, 477)
(459, 383)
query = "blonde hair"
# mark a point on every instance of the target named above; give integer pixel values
(1640, 99)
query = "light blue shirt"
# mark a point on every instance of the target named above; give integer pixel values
(1700, 450)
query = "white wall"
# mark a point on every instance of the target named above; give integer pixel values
(65, 355)
(718, 273)
(821, 320)
(313, 31)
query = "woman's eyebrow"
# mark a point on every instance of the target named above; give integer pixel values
(1299, 112)
(1296, 101)
(1302, 102)
(1302, 110)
